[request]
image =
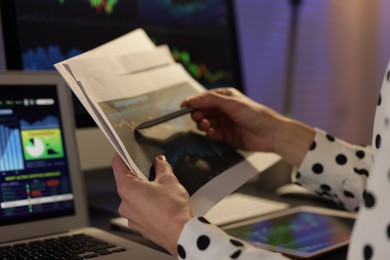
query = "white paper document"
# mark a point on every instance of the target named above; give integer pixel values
(130, 80)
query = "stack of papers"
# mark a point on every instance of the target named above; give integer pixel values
(130, 80)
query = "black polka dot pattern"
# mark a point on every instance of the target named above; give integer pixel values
(325, 187)
(338, 172)
(348, 194)
(361, 171)
(360, 154)
(318, 168)
(313, 145)
(236, 254)
(330, 169)
(236, 242)
(378, 141)
(181, 252)
(341, 159)
(203, 220)
(388, 232)
(203, 242)
(324, 171)
(369, 199)
(324, 168)
(367, 252)
(330, 138)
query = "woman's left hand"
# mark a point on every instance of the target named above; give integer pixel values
(156, 209)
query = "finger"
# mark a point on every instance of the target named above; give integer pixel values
(121, 171)
(204, 125)
(221, 92)
(211, 100)
(198, 115)
(211, 132)
(224, 91)
(215, 135)
(162, 168)
(186, 103)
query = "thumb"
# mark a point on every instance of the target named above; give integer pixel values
(218, 99)
(162, 168)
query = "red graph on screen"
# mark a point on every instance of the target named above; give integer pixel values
(199, 71)
(103, 5)
(106, 6)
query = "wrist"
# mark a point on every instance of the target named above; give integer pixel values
(292, 140)
(176, 232)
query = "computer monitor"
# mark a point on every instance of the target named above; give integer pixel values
(201, 35)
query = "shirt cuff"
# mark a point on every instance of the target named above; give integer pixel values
(335, 170)
(202, 240)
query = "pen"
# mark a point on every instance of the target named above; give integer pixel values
(164, 118)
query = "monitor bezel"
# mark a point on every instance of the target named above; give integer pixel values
(64, 223)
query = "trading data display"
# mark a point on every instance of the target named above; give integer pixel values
(34, 175)
(200, 33)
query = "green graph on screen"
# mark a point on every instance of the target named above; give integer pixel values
(199, 71)
(100, 5)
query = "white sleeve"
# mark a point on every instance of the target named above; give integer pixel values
(202, 240)
(371, 233)
(336, 170)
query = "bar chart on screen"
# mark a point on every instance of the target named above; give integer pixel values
(11, 157)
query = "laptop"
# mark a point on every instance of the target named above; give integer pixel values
(42, 195)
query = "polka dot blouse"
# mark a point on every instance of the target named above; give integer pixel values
(355, 177)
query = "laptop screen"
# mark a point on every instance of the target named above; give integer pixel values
(34, 173)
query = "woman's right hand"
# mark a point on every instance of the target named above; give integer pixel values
(227, 115)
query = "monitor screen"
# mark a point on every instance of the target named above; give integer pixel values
(200, 33)
(34, 179)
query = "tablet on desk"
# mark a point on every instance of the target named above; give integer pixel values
(301, 232)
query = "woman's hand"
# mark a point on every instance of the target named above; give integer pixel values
(158, 209)
(227, 115)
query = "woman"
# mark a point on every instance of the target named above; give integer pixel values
(329, 166)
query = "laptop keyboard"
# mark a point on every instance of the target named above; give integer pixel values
(71, 247)
(238, 206)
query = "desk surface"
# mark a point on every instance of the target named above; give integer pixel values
(104, 201)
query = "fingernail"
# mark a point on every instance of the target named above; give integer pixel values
(161, 157)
